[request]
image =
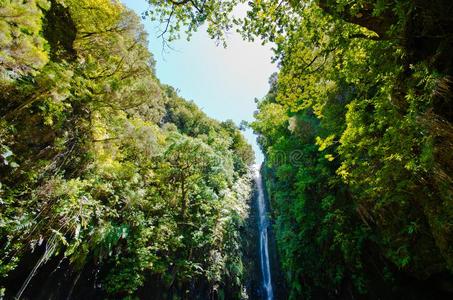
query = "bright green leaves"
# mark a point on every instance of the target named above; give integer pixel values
(105, 167)
(369, 167)
(22, 47)
(187, 164)
(187, 15)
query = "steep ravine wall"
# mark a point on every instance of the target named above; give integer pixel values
(278, 279)
(251, 250)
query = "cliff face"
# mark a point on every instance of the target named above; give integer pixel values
(355, 130)
(251, 244)
(401, 286)
(279, 282)
(251, 237)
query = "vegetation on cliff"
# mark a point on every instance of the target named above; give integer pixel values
(109, 180)
(357, 130)
(109, 174)
(357, 135)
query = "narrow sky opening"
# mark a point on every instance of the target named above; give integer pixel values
(223, 82)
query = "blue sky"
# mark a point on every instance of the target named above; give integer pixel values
(222, 82)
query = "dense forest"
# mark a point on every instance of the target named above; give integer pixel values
(357, 134)
(113, 186)
(110, 182)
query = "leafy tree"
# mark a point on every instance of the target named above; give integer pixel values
(104, 171)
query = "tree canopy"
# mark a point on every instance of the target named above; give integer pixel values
(110, 183)
(113, 186)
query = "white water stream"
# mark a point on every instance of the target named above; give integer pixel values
(263, 231)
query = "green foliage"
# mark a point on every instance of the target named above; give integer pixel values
(364, 173)
(103, 166)
(22, 48)
(188, 15)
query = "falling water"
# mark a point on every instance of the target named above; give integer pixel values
(51, 245)
(263, 231)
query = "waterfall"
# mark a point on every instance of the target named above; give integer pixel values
(263, 232)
